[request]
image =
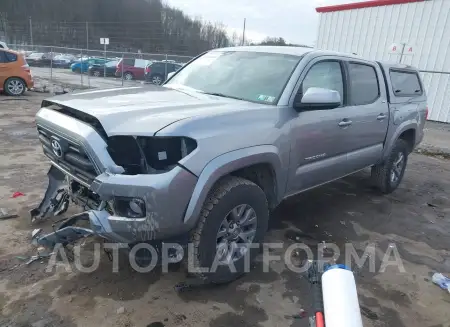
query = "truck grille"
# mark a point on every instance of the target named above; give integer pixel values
(68, 154)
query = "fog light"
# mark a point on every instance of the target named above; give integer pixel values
(137, 205)
(129, 207)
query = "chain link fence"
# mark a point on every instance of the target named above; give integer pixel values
(77, 67)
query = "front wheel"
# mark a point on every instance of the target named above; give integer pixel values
(233, 222)
(388, 175)
(15, 86)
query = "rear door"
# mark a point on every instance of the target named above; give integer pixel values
(369, 114)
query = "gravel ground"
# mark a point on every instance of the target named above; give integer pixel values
(416, 218)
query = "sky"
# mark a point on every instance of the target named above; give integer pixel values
(294, 20)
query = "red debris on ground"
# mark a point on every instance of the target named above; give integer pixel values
(17, 194)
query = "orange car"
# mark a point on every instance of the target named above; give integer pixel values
(15, 74)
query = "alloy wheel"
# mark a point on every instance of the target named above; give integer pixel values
(236, 234)
(16, 87)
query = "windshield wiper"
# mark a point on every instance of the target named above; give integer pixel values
(217, 94)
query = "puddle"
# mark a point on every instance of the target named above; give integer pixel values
(22, 132)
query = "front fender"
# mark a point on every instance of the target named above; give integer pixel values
(227, 163)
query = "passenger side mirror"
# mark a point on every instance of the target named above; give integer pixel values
(316, 98)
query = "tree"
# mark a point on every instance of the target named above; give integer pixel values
(131, 25)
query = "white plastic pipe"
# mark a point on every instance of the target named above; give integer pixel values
(340, 299)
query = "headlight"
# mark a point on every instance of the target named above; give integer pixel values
(162, 153)
(144, 155)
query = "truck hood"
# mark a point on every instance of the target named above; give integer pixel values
(146, 110)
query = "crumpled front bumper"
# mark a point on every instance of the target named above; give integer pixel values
(166, 198)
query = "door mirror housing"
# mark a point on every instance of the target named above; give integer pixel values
(316, 98)
(170, 75)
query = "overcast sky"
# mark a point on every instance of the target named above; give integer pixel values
(295, 20)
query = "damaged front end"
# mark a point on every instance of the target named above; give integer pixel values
(117, 207)
(130, 188)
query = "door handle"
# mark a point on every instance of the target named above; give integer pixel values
(345, 123)
(381, 117)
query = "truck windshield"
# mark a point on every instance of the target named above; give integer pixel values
(251, 76)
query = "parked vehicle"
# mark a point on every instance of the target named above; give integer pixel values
(39, 59)
(99, 70)
(132, 68)
(15, 74)
(83, 66)
(208, 155)
(3, 45)
(157, 72)
(63, 61)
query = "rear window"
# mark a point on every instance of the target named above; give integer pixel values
(11, 57)
(405, 84)
(128, 62)
(364, 88)
(140, 63)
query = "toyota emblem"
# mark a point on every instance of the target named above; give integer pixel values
(56, 147)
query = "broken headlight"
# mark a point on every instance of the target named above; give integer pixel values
(149, 154)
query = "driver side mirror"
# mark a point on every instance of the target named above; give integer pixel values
(316, 98)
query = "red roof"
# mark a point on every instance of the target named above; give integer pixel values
(365, 4)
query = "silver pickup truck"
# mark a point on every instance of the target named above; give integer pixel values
(208, 155)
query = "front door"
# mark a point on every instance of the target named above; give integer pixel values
(318, 150)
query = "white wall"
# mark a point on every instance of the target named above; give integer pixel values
(369, 32)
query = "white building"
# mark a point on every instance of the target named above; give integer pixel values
(382, 29)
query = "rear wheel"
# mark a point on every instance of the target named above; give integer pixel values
(157, 79)
(388, 175)
(15, 86)
(96, 73)
(128, 76)
(233, 222)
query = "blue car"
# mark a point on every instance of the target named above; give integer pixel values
(83, 66)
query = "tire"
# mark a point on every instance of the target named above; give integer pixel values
(382, 174)
(96, 73)
(228, 193)
(15, 86)
(77, 70)
(156, 79)
(128, 76)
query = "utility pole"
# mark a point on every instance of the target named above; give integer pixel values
(31, 32)
(87, 35)
(87, 50)
(243, 34)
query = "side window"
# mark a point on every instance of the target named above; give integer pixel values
(327, 75)
(2, 57)
(128, 62)
(405, 83)
(11, 57)
(364, 87)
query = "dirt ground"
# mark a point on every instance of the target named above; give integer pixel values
(416, 218)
